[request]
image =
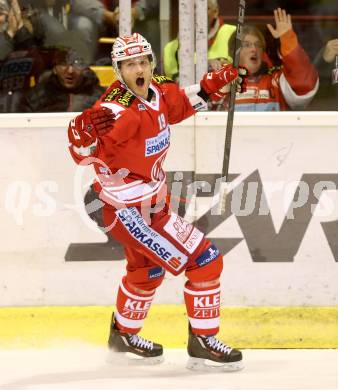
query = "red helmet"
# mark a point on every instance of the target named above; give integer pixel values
(130, 46)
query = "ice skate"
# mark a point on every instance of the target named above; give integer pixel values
(209, 354)
(133, 348)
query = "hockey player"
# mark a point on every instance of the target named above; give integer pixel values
(126, 136)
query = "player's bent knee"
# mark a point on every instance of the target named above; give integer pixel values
(146, 279)
(206, 268)
(205, 284)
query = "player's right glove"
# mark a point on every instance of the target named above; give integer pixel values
(84, 129)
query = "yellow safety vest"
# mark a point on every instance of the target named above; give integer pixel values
(219, 49)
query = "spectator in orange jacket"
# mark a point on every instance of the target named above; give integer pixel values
(290, 86)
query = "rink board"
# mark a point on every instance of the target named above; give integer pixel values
(279, 251)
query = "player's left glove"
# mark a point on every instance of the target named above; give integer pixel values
(242, 80)
(217, 83)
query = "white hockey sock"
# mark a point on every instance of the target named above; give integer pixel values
(131, 309)
(203, 308)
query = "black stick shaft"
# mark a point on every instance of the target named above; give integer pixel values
(231, 108)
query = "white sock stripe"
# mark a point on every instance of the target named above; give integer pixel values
(202, 292)
(209, 323)
(132, 324)
(136, 297)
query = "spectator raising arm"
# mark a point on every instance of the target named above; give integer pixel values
(330, 51)
(289, 86)
(299, 80)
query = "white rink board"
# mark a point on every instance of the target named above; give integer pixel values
(41, 215)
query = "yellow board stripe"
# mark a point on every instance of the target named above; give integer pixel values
(254, 327)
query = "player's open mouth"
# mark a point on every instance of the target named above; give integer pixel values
(140, 81)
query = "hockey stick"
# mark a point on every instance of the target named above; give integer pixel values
(231, 107)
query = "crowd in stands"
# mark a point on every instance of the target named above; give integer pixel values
(47, 48)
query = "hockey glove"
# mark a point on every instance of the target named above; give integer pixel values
(217, 83)
(242, 80)
(84, 129)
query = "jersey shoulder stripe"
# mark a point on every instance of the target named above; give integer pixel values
(118, 94)
(126, 98)
(112, 94)
(160, 79)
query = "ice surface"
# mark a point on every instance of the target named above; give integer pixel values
(85, 367)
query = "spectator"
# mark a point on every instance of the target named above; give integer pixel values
(21, 58)
(144, 17)
(218, 37)
(71, 86)
(326, 62)
(19, 28)
(291, 86)
(323, 27)
(139, 9)
(95, 18)
(146, 22)
(58, 16)
(53, 15)
(88, 17)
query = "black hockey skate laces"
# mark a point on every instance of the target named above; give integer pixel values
(140, 342)
(218, 345)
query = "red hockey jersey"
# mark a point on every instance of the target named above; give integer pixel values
(128, 159)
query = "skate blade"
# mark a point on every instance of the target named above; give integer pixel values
(130, 359)
(207, 365)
